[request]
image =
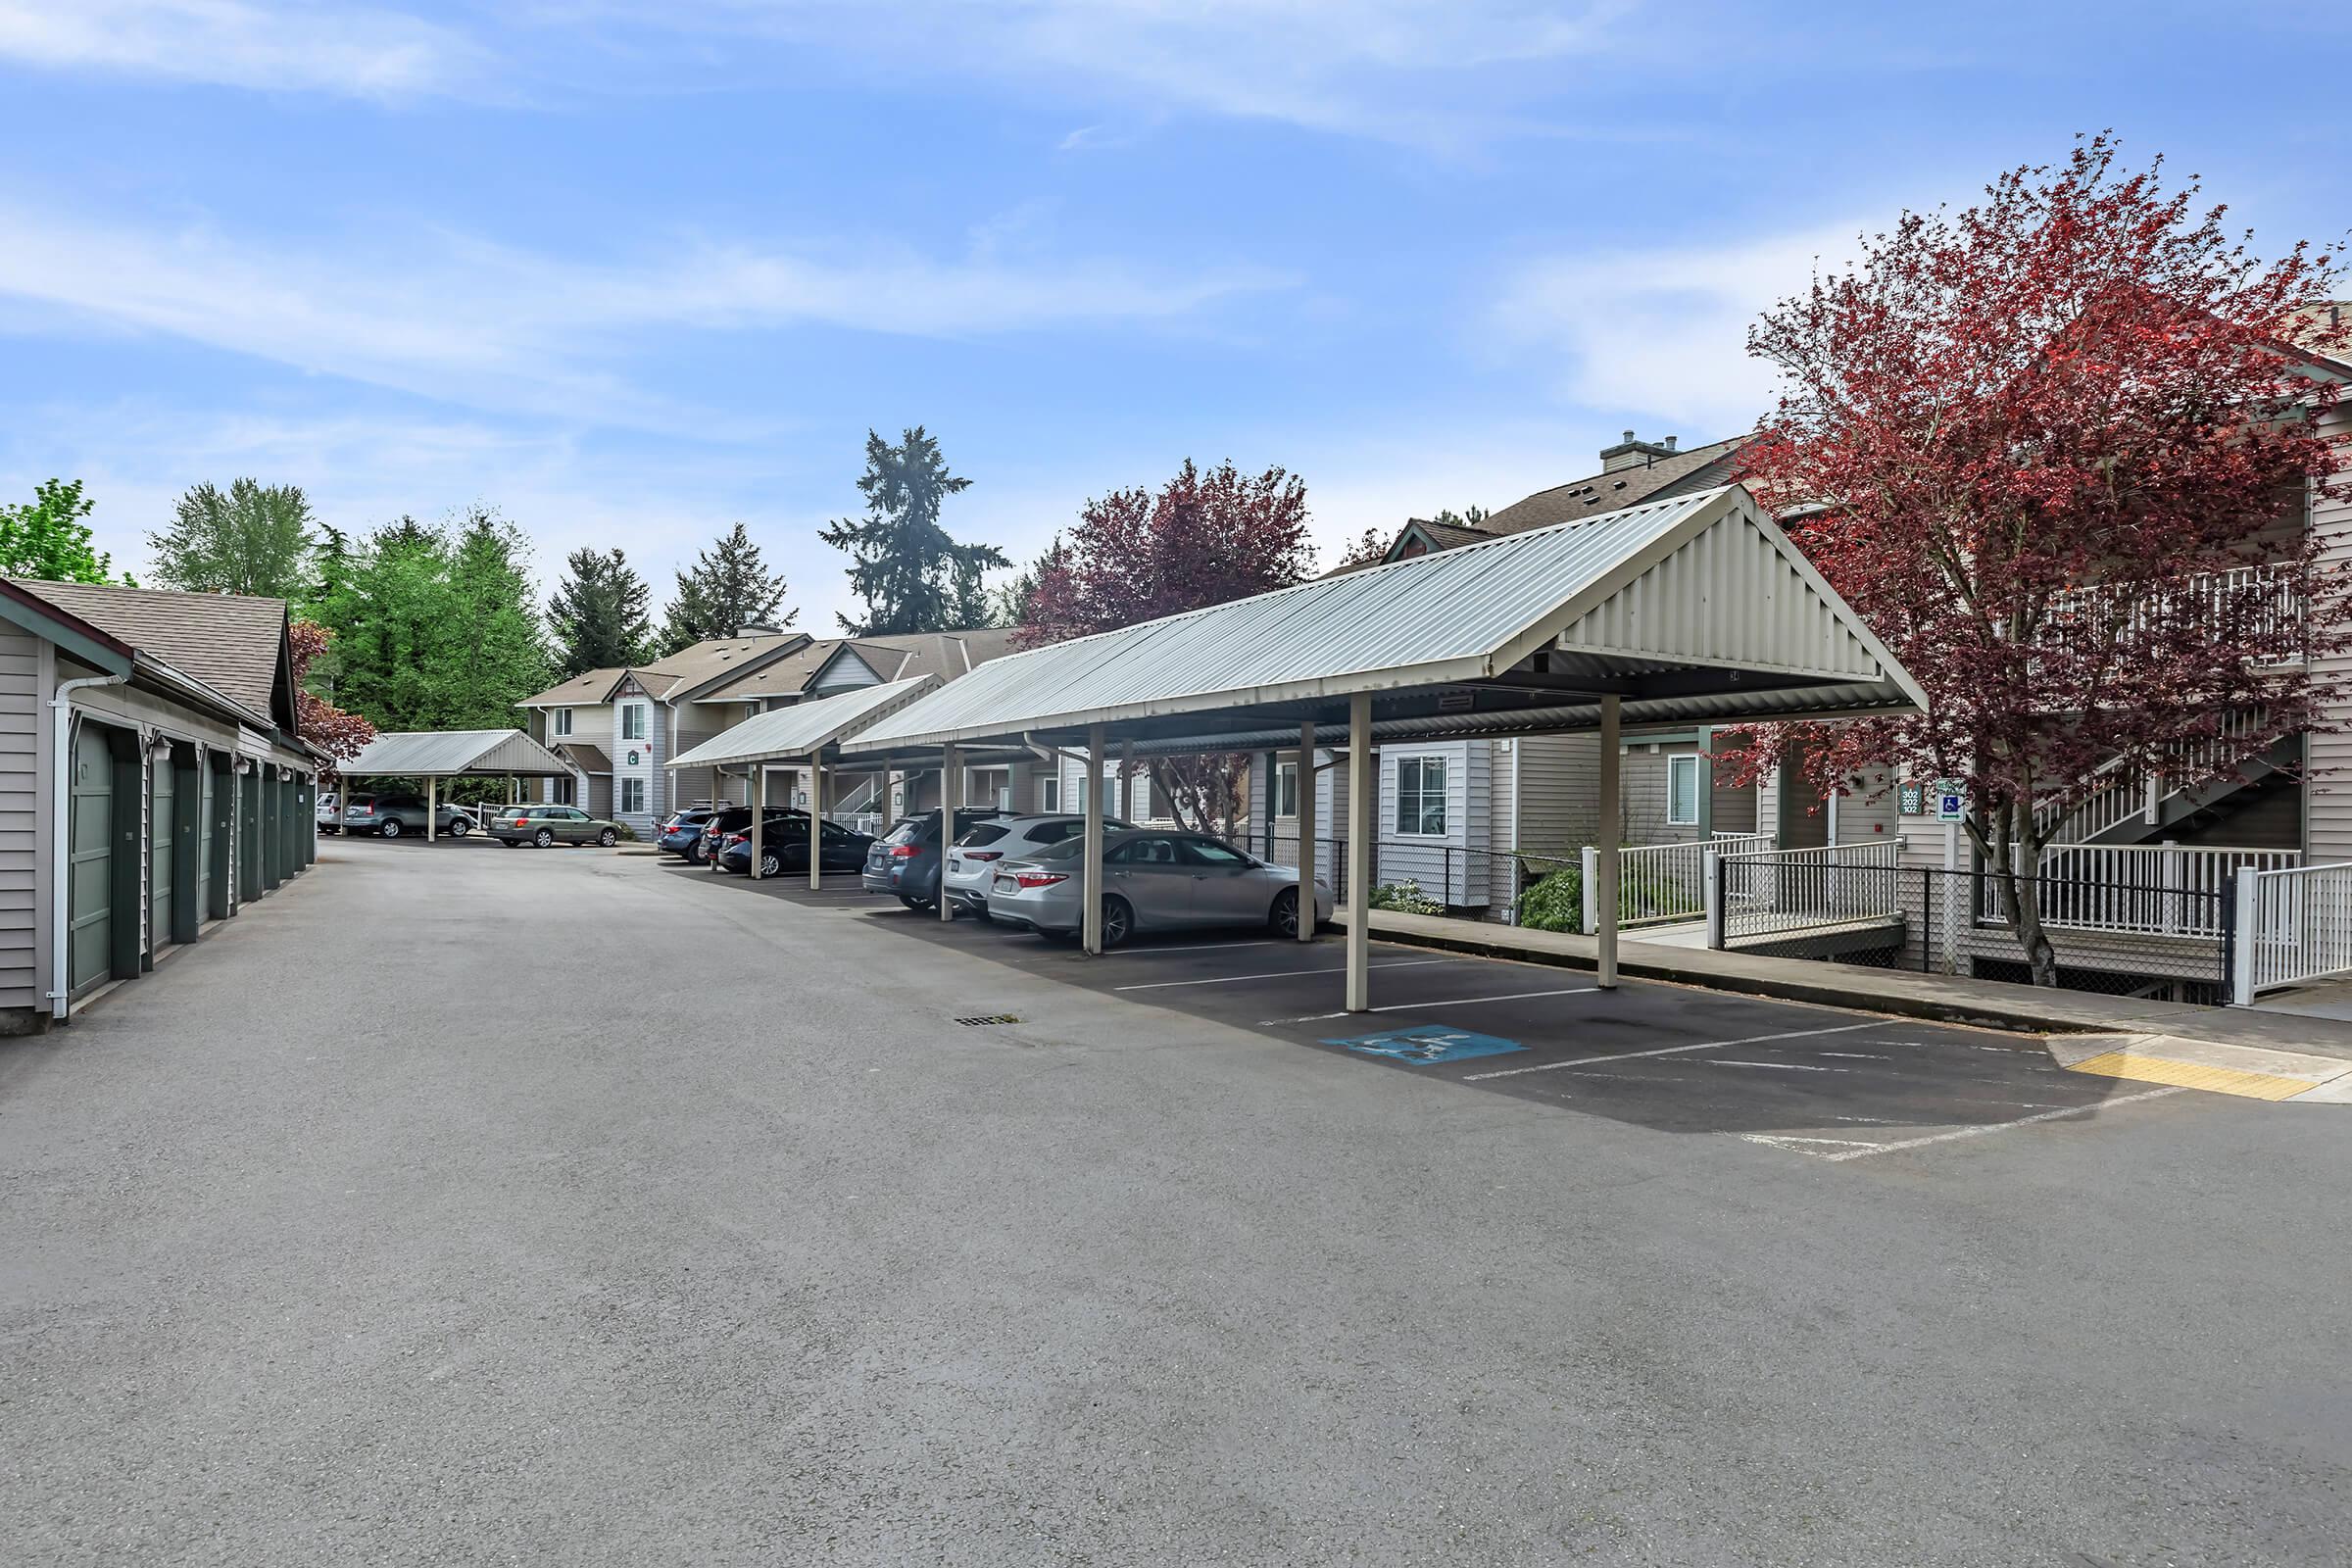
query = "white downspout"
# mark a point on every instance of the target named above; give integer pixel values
(60, 832)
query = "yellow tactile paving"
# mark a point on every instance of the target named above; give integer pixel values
(2192, 1075)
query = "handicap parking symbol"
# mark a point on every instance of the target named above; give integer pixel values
(1429, 1043)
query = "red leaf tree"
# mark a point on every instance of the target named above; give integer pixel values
(1137, 555)
(335, 733)
(2056, 450)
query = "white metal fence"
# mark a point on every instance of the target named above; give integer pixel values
(1784, 892)
(1663, 882)
(2151, 889)
(2293, 924)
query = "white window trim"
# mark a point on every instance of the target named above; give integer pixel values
(1397, 760)
(643, 798)
(563, 721)
(1048, 797)
(641, 712)
(1283, 769)
(1674, 764)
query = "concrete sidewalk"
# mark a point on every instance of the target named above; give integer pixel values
(2265, 1055)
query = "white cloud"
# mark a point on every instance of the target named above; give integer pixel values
(491, 326)
(1663, 332)
(309, 46)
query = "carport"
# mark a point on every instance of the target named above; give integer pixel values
(436, 754)
(1694, 610)
(803, 736)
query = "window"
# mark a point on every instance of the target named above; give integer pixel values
(1048, 795)
(1286, 789)
(1421, 797)
(1682, 791)
(632, 721)
(1145, 851)
(563, 721)
(632, 796)
(1208, 852)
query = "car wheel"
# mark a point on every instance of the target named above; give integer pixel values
(607, 838)
(771, 864)
(1118, 922)
(544, 838)
(916, 905)
(391, 829)
(1284, 917)
(459, 827)
(694, 854)
(512, 844)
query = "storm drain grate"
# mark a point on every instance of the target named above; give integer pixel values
(987, 1018)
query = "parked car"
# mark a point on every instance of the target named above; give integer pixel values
(393, 815)
(972, 859)
(546, 826)
(905, 862)
(1151, 881)
(730, 843)
(683, 833)
(784, 848)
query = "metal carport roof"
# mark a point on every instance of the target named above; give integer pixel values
(454, 754)
(803, 728)
(1685, 610)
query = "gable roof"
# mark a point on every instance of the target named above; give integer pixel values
(452, 754)
(804, 728)
(900, 657)
(1684, 608)
(1629, 486)
(673, 674)
(233, 643)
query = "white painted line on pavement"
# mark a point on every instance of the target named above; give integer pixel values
(1422, 1007)
(1956, 1134)
(1672, 1051)
(1195, 947)
(1776, 1066)
(1274, 974)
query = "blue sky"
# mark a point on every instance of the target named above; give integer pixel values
(633, 269)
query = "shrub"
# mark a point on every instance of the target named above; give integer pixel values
(1556, 902)
(1405, 896)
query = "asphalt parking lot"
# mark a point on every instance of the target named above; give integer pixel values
(1819, 1083)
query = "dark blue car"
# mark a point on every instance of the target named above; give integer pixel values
(784, 848)
(683, 834)
(905, 862)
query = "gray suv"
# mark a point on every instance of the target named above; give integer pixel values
(393, 815)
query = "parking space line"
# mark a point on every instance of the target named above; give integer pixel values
(1419, 1006)
(1676, 1051)
(2063, 1113)
(1199, 947)
(1276, 974)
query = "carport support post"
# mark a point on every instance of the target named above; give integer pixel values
(951, 799)
(1307, 827)
(430, 795)
(1605, 863)
(758, 815)
(1090, 874)
(1360, 818)
(1127, 781)
(817, 812)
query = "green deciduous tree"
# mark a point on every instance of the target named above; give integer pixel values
(728, 589)
(910, 574)
(48, 539)
(251, 538)
(598, 614)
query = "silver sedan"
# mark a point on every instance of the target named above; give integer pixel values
(1153, 880)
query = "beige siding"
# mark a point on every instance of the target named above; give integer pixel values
(21, 788)
(2331, 788)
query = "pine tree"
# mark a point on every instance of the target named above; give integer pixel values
(728, 589)
(910, 574)
(253, 539)
(597, 614)
(498, 651)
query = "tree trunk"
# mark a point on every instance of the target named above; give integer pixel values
(2016, 842)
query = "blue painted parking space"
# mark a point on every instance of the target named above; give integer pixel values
(1428, 1044)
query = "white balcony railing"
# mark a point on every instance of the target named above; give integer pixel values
(1663, 882)
(2165, 890)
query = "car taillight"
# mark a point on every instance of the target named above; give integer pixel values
(1042, 879)
(522, 822)
(984, 854)
(905, 851)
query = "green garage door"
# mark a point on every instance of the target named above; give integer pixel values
(90, 861)
(163, 841)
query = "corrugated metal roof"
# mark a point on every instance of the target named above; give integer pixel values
(451, 753)
(1453, 616)
(804, 727)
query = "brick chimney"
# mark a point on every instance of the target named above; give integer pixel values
(1634, 454)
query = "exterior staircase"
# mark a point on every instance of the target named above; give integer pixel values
(2134, 807)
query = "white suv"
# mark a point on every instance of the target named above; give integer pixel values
(972, 859)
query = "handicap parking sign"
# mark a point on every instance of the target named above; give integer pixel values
(1429, 1043)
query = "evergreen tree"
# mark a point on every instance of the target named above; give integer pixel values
(597, 614)
(910, 574)
(48, 541)
(728, 589)
(253, 539)
(499, 652)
